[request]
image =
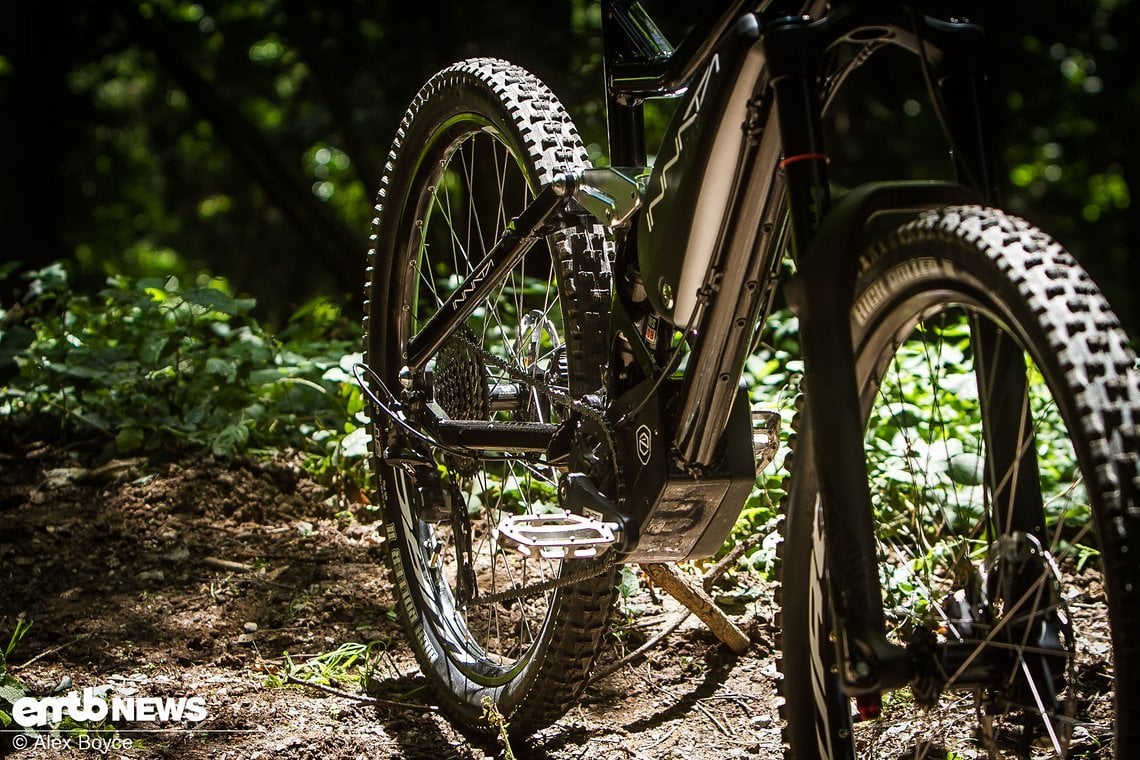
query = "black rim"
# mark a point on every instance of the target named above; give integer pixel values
(472, 184)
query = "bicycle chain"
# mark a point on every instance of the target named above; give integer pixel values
(590, 569)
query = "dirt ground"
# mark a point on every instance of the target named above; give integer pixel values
(194, 580)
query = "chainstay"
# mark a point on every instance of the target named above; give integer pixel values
(587, 571)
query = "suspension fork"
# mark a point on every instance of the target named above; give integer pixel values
(1011, 461)
(828, 244)
(822, 295)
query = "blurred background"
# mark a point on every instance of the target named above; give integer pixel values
(240, 142)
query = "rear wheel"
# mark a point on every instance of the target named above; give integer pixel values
(490, 627)
(1002, 407)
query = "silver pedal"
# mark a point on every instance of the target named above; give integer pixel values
(765, 437)
(557, 535)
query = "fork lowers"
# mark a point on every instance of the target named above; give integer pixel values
(975, 563)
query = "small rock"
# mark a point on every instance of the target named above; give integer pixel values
(177, 554)
(250, 627)
(62, 476)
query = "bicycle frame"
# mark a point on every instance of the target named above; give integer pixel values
(685, 444)
(749, 247)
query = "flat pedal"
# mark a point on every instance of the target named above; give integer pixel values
(557, 535)
(765, 437)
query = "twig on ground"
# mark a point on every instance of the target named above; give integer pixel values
(696, 601)
(693, 597)
(228, 565)
(737, 699)
(668, 735)
(617, 665)
(715, 721)
(361, 698)
(51, 651)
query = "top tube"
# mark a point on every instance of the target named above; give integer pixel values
(665, 71)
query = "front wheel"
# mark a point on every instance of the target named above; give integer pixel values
(1001, 407)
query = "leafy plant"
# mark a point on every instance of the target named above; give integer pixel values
(11, 689)
(498, 722)
(161, 369)
(365, 665)
(351, 662)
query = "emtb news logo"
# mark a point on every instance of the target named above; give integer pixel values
(92, 704)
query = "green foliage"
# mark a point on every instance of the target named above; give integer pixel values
(335, 182)
(922, 445)
(11, 689)
(925, 439)
(351, 662)
(159, 369)
(627, 581)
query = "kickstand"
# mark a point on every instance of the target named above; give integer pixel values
(677, 585)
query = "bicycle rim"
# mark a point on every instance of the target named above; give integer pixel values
(951, 571)
(471, 193)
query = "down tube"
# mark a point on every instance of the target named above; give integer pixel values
(738, 287)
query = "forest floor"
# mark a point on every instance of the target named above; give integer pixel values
(194, 581)
(216, 582)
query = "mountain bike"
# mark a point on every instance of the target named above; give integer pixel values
(553, 360)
